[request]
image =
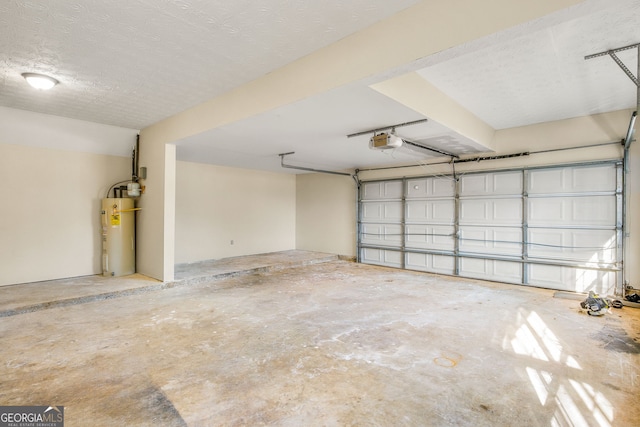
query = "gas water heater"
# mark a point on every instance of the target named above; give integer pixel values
(118, 237)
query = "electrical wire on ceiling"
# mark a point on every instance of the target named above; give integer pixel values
(419, 162)
(304, 168)
(429, 168)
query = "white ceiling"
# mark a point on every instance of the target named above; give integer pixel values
(131, 63)
(316, 129)
(542, 76)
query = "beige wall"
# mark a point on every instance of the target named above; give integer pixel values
(215, 204)
(21, 127)
(50, 224)
(54, 171)
(326, 213)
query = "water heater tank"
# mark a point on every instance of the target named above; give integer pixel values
(118, 237)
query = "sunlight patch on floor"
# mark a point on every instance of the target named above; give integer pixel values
(576, 403)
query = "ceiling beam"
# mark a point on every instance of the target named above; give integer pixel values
(417, 32)
(413, 91)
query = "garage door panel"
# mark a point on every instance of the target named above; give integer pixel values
(430, 237)
(491, 184)
(573, 179)
(508, 183)
(381, 257)
(577, 244)
(595, 210)
(572, 279)
(546, 181)
(488, 269)
(381, 211)
(430, 263)
(491, 240)
(507, 211)
(430, 187)
(541, 226)
(573, 211)
(382, 190)
(595, 178)
(431, 211)
(382, 234)
(491, 211)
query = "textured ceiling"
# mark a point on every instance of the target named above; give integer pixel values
(132, 63)
(542, 75)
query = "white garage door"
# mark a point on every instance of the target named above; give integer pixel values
(555, 227)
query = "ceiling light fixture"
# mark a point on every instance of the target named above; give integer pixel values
(40, 81)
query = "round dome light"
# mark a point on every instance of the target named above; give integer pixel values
(40, 81)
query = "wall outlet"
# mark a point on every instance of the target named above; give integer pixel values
(232, 242)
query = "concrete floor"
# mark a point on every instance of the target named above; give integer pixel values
(317, 342)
